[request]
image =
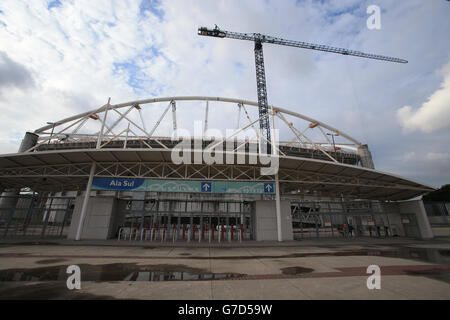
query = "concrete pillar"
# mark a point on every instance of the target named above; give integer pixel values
(278, 208)
(85, 201)
(366, 156)
(422, 220)
(29, 141)
(101, 221)
(8, 203)
(417, 208)
(265, 222)
(10, 197)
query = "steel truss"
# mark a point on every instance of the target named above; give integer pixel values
(305, 132)
(290, 179)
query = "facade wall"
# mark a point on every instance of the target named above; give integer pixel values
(105, 214)
(439, 217)
(99, 220)
(8, 202)
(266, 221)
(419, 225)
(417, 207)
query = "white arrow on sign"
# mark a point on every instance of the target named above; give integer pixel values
(268, 187)
(206, 186)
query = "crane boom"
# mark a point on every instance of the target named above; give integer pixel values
(259, 39)
(290, 43)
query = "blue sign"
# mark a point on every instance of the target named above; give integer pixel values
(121, 184)
(268, 188)
(206, 186)
(172, 185)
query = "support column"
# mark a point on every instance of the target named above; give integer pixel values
(278, 207)
(366, 156)
(100, 134)
(10, 197)
(8, 203)
(85, 201)
(277, 182)
(29, 141)
(174, 116)
(206, 118)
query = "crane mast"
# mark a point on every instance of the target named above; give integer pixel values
(263, 106)
(259, 39)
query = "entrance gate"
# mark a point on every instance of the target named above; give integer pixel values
(186, 220)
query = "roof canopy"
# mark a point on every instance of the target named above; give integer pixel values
(69, 170)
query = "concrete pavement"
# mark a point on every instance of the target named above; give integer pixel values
(327, 269)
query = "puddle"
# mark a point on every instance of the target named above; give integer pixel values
(438, 256)
(435, 274)
(116, 272)
(296, 270)
(31, 243)
(445, 253)
(46, 291)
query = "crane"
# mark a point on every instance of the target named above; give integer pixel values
(259, 39)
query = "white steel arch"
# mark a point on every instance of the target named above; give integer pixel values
(60, 130)
(195, 98)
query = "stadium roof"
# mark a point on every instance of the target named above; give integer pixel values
(69, 170)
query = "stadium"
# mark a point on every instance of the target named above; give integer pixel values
(109, 173)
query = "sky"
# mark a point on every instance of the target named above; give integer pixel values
(59, 58)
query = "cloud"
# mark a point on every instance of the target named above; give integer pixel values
(427, 156)
(438, 156)
(428, 167)
(13, 74)
(434, 114)
(409, 156)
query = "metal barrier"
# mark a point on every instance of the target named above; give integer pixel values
(183, 232)
(144, 233)
(124, 232)
(174, 233)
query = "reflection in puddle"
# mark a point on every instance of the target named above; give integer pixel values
(440, 256)
(116, 272)
(177, 276)
(296, 270)
(50, 261)
(436, 256)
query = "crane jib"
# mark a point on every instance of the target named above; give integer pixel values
(216, 32)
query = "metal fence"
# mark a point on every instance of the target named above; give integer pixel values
(35, 215)
(320, 219)
(436, 208)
